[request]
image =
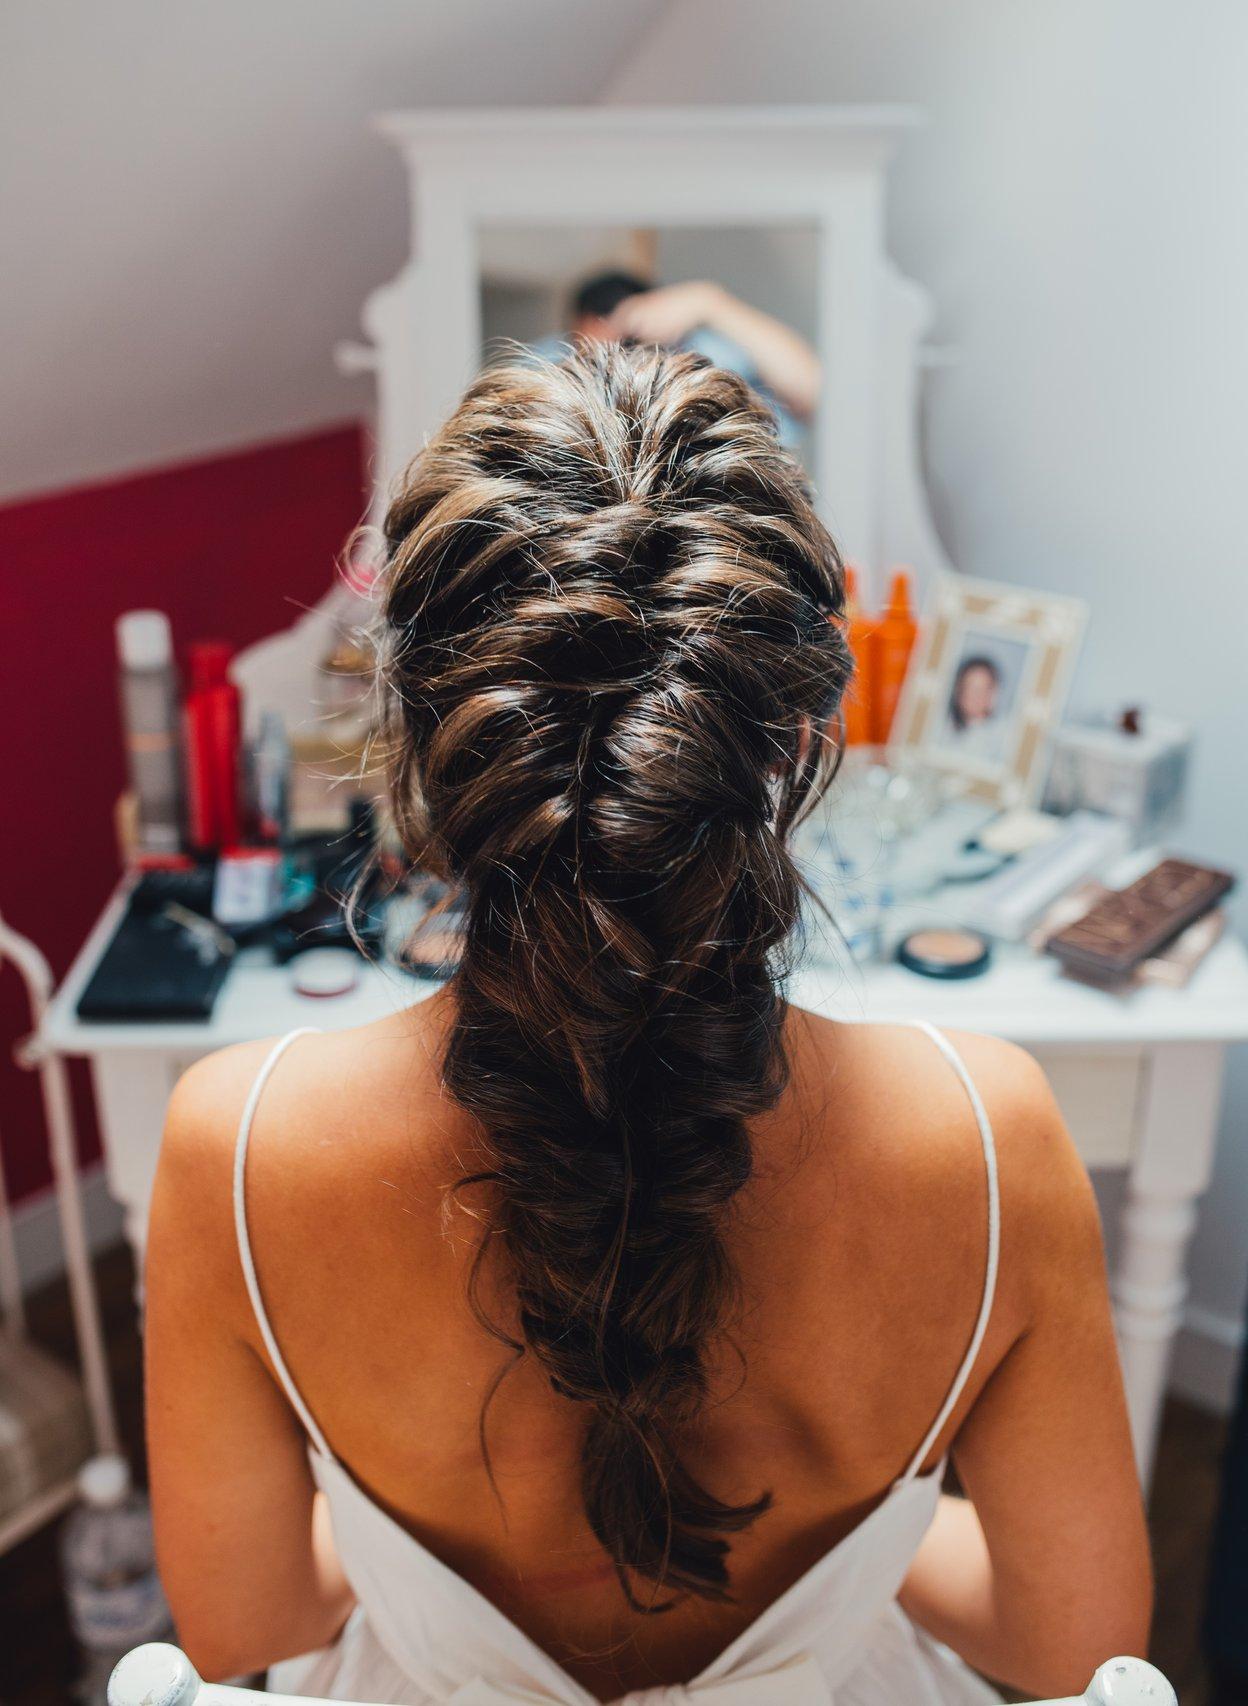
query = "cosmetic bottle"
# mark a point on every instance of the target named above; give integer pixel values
(892, 644)
(212, 722)
(858, 700)
(149, 712)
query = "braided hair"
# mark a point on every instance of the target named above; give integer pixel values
(611, 622)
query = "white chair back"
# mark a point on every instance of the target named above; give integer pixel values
(160, 1675)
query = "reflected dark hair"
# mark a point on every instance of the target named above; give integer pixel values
(612, 641)
(602, 294)
(978, 661)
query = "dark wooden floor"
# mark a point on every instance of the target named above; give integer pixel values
(36, 1654)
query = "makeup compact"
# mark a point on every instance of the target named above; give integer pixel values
(325, 972)
(945, 951)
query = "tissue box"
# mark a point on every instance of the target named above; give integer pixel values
(1139, 778)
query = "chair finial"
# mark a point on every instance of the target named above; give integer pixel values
(154, 1675)
(1130, 1682)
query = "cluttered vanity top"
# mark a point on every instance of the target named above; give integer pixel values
(976, 861)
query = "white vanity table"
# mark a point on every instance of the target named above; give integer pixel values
(1138, 1076)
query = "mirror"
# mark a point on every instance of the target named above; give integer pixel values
(530, 276)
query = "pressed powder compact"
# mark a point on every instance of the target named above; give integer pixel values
(945, 952)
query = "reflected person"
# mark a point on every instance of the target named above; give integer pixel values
(699, 315)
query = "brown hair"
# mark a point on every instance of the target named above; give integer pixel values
(611, 623)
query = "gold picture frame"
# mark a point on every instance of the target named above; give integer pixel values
(986, 686)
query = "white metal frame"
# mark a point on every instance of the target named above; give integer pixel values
(62, 1146)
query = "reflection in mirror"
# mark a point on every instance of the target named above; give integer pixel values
(747, 299)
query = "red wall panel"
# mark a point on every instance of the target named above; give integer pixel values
(229, 547)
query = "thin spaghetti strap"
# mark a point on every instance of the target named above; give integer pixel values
(244, 1242)
(994, 1246)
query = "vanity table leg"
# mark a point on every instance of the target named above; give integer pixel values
(132, 1090)
(1176, 1132)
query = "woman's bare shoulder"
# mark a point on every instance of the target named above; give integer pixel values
(321, 1081)
(202, 1120)
(1044, 1183)
(898, 1071)
(345, 1119)
(892, 1079)
(210, 1095)
(321, 1076)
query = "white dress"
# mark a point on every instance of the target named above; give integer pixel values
(421, 1635)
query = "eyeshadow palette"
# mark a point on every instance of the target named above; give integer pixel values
(1128, 925)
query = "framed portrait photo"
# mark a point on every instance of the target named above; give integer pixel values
(986, 686)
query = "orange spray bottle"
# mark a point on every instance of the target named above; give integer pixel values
(892, 644)
(860, 633)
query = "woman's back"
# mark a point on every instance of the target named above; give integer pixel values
(623, 1288)
(862, 1245)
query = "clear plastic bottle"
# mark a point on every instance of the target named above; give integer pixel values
(149, 705)
(108, 1561)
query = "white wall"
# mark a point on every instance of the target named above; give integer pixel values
(192, 206)
(1077, 207)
